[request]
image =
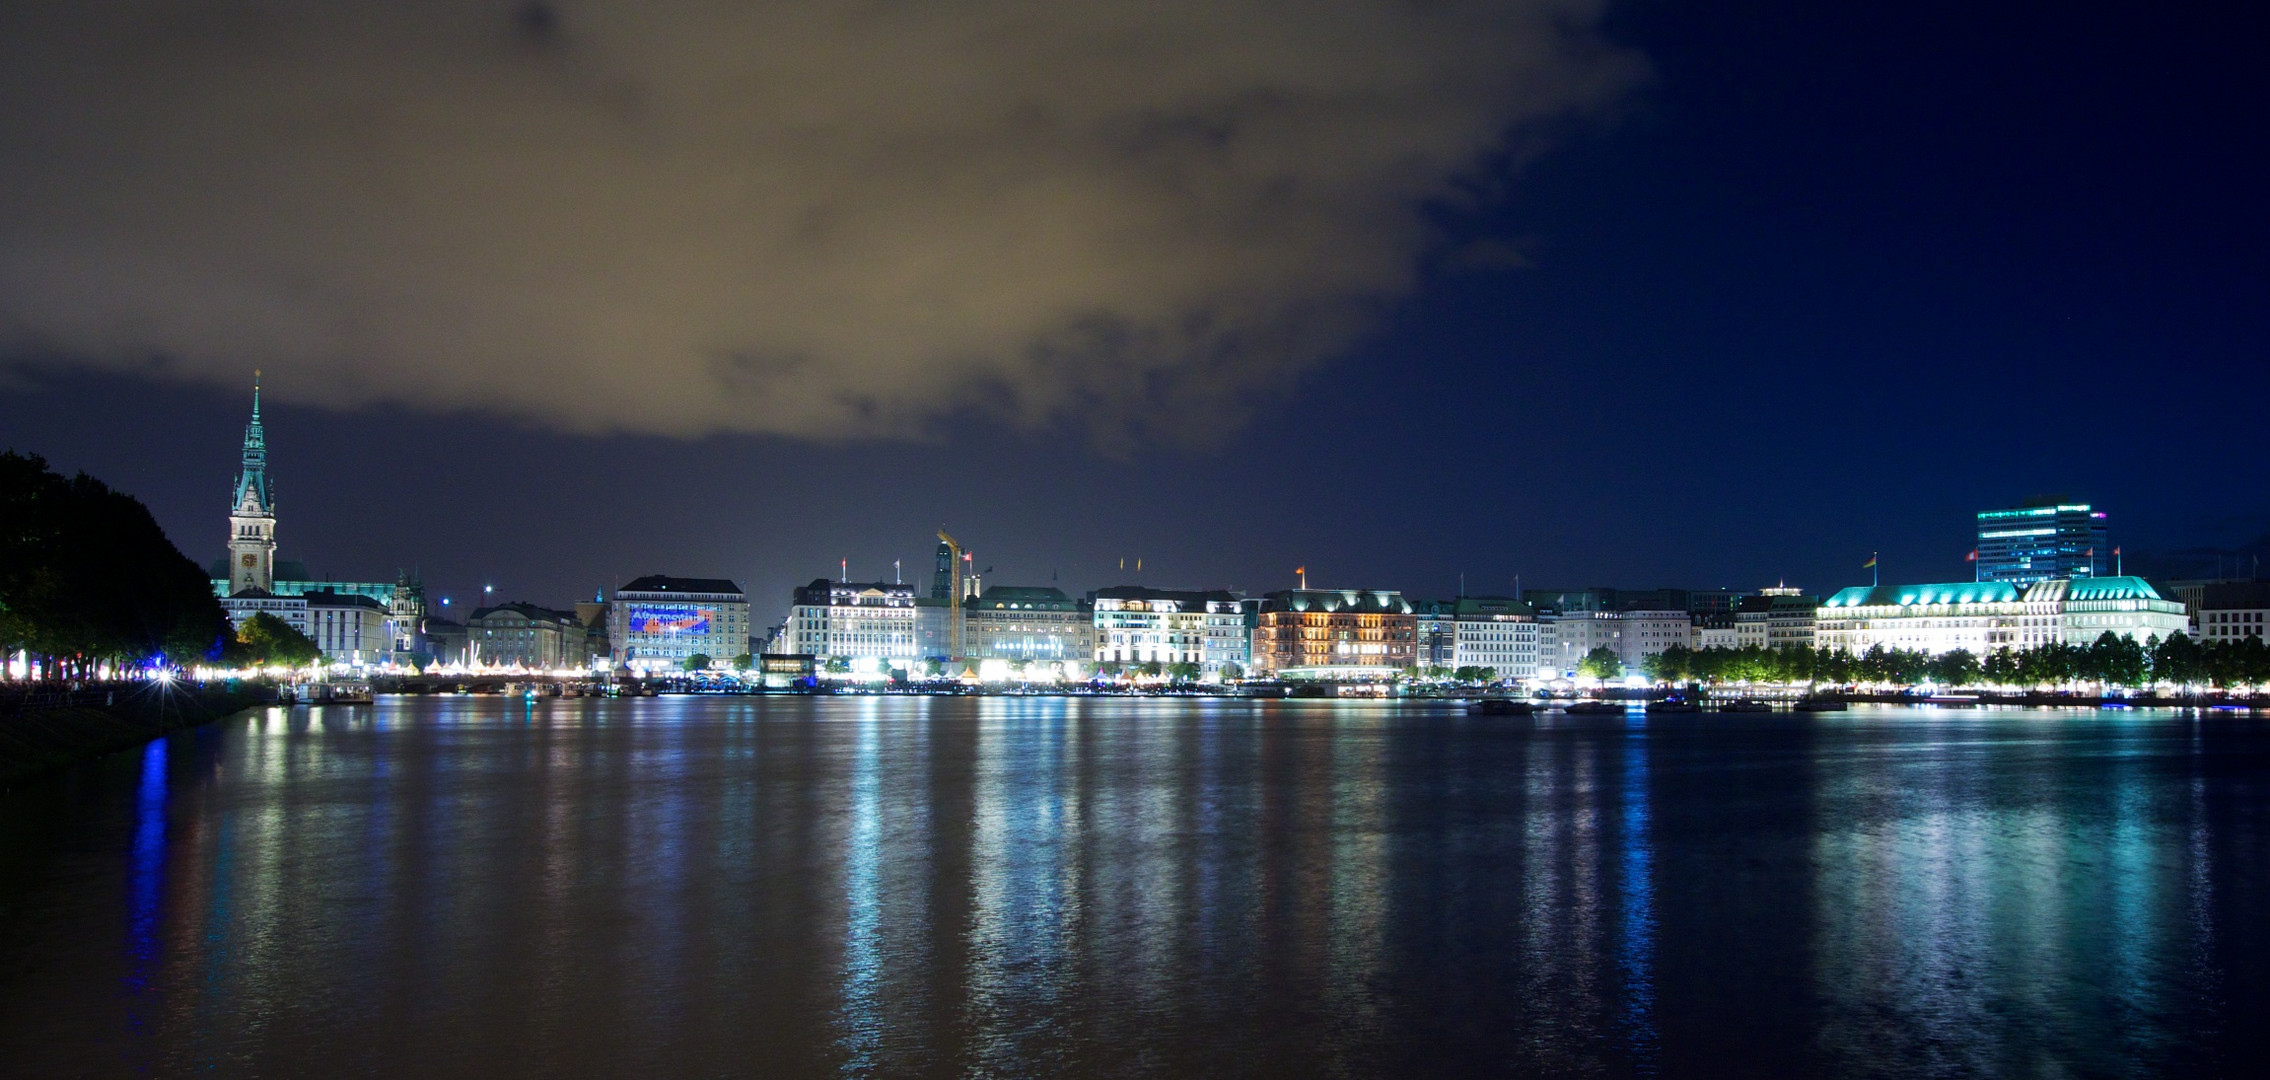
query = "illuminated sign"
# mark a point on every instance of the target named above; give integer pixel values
(652, 619)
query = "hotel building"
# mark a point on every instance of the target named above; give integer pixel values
(1496, 632)
(657, 621)
(1335, 634)
(1988, 615)
(1023, 624)
(1776, 618)
(1136, 625)
(870, 622)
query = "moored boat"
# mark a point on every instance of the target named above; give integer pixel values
(1596, 708)
(1746, 705)
(1499, 707)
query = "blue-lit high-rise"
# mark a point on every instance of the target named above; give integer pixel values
(2043, 540)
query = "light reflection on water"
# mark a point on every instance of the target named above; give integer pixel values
(1007, 887)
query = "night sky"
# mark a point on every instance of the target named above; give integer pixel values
(1735, 294)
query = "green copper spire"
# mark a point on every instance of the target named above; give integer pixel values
(252, 482)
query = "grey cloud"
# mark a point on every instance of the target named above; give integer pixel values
(817, 219)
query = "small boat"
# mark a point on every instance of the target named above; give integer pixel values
(1596, 708)
(1498, 706)
(1746, 705)
(1673, 705)
(1821, 704)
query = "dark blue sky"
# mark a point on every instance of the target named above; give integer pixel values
(1835, 279)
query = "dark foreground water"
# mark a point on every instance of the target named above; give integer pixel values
(1047, 887)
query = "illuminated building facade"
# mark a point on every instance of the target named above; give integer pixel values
(1335, 634)
(1719, 631)
(870, 624)
(2233, 611)
(1987, 615)
(350, 628)
(1565, 638)
(526, 636)
(1776, 618)
(243, 604)
(1496, 632)
(1023, 624)
(1136, 625)
(657, 621)
(2042, 541)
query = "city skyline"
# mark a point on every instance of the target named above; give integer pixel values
(1083, 574)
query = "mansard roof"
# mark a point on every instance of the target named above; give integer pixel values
(1189, 598)
(666, 583)
(531, 612)
(1365, 601)
(1961, 592)
(1037, 598)
(327, 598)
(2235, 594)
(2117, 587)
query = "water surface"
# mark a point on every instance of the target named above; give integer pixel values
(1021, 887)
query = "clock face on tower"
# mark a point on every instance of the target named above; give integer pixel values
(251, 560)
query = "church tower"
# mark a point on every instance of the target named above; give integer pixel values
(252, 517)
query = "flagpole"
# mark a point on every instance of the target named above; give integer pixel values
(1875, 572)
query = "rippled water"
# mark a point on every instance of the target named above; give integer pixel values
(1017, 887)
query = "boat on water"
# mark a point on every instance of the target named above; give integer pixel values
(1595, 708)
(1746, 705)
(331, 694)
(1674, 704)
(1499, 707)
(1821, 704)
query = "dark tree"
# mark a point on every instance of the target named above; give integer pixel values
(86, 575)
(266, 640)
(1671, 665)
(1601, 663)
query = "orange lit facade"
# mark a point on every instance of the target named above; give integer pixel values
(1335, 634)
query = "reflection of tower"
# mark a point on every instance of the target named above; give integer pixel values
(252, 517)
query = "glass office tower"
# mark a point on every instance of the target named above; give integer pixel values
(2042, 541)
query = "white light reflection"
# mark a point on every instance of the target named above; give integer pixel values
(1026, 882)
(859, 1017)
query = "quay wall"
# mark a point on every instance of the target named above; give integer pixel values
(41, 734)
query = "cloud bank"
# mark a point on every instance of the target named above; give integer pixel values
(830, 220)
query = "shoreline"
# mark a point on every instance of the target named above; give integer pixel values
(40, 741)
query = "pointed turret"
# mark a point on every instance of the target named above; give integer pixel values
(252, 514)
